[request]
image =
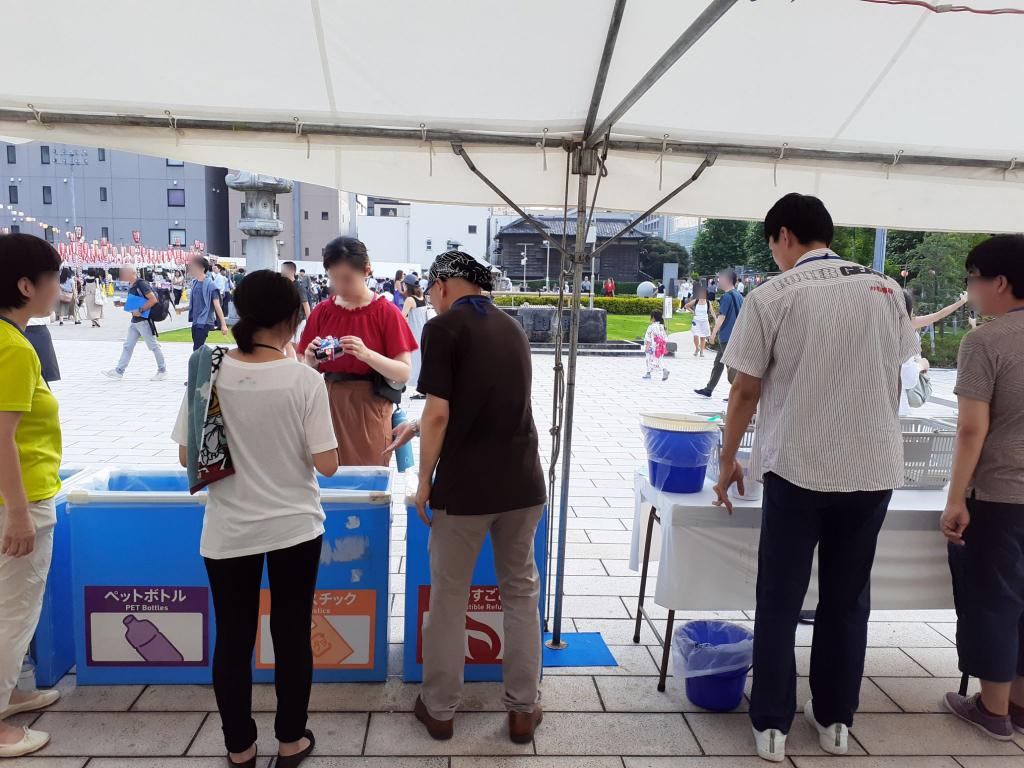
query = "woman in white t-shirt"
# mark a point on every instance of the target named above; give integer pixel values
(703, 317)
(277, 423)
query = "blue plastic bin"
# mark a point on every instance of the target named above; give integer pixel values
(484, 631)
(678, 449)
(53, 647)
(350, 606)
(713, 657)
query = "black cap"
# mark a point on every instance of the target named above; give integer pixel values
(459, 264)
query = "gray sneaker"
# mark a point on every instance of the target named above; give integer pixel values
(114, 374)
(967, 708)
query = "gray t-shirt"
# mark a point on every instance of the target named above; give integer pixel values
(990, 368)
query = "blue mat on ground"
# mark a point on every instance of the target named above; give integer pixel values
(586, 649)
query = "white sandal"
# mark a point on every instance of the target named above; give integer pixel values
(31, 742)
(40, 700)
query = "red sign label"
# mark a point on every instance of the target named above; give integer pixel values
(485, 631)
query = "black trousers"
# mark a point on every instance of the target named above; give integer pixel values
(199, 334)
(844, 527)
(719, 366)
(235, 584)
(988, 591)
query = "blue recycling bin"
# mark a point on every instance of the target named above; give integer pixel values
(350, 605)
(142, 607)
(484, 618)
(53, 647)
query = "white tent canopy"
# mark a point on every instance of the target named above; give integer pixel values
(921, 110)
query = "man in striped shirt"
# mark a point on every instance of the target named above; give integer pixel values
(820, 349)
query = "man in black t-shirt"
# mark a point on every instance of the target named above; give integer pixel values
(141, 327)
(477, 376)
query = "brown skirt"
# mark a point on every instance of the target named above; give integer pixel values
(362, 423)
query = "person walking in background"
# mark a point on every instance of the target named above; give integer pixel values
(467, 430)
(263, 504)
(177, 286)
(984, 515)
(729, 306)
(141, 327)
(417, 312)
(68, 297)
(223, 283)
(398, 289)
(288, 269)
(95, 299)
(655, 345)
(365, 377)
(829, 457)
(30, 455)
(703, 314)
(204, 308)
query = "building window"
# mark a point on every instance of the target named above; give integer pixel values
(105, 233)
(44, 154)
(101, 155)
(389, 212)
(175, 163)
(176, 237)
(305, 215)
(307, 251)
(15, 229)
(324, 216)
(12, 195)
(12, 153)
(176, 198)
(47, 195)
(103, 194)
(430, 244)
(241, 207)
(323, 251)
(48, 234)
(472, 229)
(244, 241)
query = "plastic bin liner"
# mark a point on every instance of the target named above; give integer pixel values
(701, 648)
(679, 449)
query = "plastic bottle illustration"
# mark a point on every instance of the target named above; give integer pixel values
(150, 642)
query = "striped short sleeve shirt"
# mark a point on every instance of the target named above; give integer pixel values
(990, 368)
(827, 339)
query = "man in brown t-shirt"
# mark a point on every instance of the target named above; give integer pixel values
(478, 433)
(984, 517)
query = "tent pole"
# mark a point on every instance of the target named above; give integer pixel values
(570, 395)
(606, 61)
(691, 35)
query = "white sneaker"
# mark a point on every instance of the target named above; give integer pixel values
(771, 744)
(833, 738)
(31, 742)
(160, 376)
(39, 700)
(113, 374)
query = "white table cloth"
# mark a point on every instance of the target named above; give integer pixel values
(708, 558)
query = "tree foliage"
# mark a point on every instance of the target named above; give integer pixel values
(655, 252)
(855, 244)
(936, 267)
(719, 245)
(755, 249)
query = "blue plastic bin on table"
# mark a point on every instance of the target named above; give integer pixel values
(350, 606)
(142, 608)
(53, 647)
(484, 633)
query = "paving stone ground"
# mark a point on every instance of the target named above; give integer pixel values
(609, 717)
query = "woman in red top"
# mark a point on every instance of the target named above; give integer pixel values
(376, 343)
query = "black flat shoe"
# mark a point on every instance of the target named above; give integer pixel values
(250, 763)
(293, 761)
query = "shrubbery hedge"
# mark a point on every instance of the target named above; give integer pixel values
(619, 305)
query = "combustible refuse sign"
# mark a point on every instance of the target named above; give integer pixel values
(146, 626)
(485, 632)
(344, 622)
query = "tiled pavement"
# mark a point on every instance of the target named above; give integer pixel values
(597, 717)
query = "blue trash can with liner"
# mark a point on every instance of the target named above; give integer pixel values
(678, 449)
(53, 647)
(713, 657)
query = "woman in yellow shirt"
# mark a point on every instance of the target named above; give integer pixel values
(30, 452)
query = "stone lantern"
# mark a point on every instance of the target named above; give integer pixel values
(260, 222)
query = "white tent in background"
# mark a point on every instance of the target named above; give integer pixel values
(898, 113)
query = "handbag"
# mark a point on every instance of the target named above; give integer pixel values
(98, 298)
(65, 297)
(919, 394)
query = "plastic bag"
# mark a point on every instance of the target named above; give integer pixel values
(679, 449)
(702, 648)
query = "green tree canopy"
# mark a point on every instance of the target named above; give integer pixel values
(855, 244)
(936, 267)
(755, 249)
(719, 245)
(655, 252)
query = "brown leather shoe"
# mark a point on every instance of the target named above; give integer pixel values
(441, 730)
(521, 725)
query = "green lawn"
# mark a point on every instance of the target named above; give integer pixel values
(630, 327)
(185, 334)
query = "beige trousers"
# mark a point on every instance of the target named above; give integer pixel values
(22, 583)
(455, 542)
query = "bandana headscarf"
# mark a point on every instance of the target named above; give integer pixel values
(461, 265)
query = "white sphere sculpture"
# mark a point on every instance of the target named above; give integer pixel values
(646, 290)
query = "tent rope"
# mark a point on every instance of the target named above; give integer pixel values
(775, 168)
(39, 117)
(300, 134)
(542, 144)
